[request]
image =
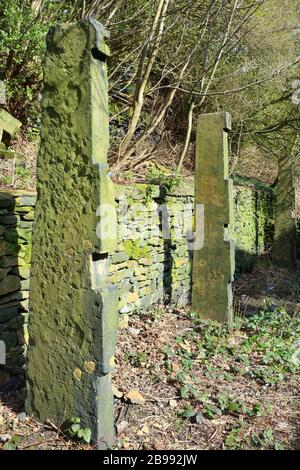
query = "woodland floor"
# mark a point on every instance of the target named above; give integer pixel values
(198, 385)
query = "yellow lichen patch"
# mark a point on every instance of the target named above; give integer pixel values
(90, 366)
(78, 373)
(112, 361)
(132, 297)
(70, 252)
(87, 245)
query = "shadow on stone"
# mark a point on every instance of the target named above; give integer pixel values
(285, 249)
(244, 262)
(165, 228)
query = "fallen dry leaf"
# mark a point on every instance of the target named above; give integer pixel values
(134, 397)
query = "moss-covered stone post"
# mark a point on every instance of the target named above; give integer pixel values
(284, 250)
(213, 264)
(73, 309)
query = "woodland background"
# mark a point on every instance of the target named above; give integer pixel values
(171, 60)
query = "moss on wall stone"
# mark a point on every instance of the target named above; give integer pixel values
(253, 228)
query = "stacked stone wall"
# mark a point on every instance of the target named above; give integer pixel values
(16, 219)
(151, 265)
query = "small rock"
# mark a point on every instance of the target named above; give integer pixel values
(22, 416)
(4, 437)
(145, 429)
(122, 426)
(117, 393)
(173, 403)
(158, 445)
(126, 309)
(90, 366)
(134, 331)
(135, 397)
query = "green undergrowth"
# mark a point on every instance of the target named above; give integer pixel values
(263, 348)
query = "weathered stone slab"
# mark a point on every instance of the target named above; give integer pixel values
(18, 295)
(7, 261)
(25, 304)
(3, 272)
(25, 200)
(73, 311)
(10, 220)
(29, 215)
(22, 209)
(22, 271)
(9, 284)
(10, 339)
(24, 284)
(213, 264)
(8, 311)
(17, 234)
(7, 248)
(6, 200)
(284, 250)
(25, 224)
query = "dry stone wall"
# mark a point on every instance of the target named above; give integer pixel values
(152, 263)
(16, 219)
(253, 227)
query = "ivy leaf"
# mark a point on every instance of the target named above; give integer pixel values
(75, 428)
(187, 413)
(278, 446)
(268, 434)
(75, 420)
(211, 411)
(234, 406)
(258, 410)
(85, 434)
(184, 392)
(13, 443)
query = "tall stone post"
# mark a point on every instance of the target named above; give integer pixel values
(284, 250)
(73, 309)
(213, 264)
